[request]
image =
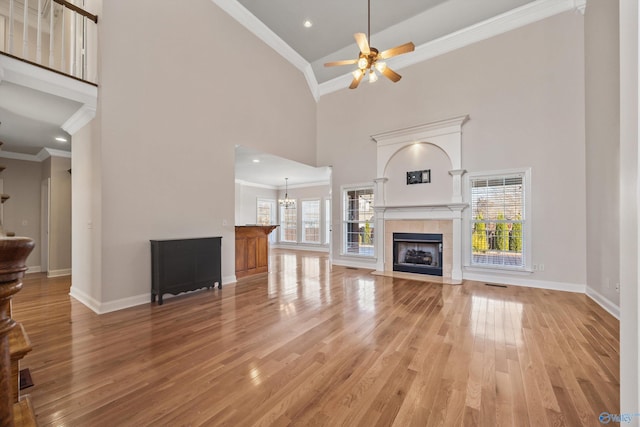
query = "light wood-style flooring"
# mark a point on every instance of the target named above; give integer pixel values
(314, 345)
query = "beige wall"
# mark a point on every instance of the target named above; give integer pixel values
(21, 181)
(524, 93)
(602, 78)
(60, 216)
(169, 122)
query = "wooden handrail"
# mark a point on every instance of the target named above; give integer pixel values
(77, 9)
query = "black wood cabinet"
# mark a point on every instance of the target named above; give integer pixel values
(181, 265)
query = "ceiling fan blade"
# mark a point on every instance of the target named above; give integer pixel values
(390, 74)
(356, 81)
(398, 50)
(363, 44)
(337, 63)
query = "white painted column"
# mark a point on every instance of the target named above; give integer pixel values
(456, 268)
(457, 184)
(380, 237)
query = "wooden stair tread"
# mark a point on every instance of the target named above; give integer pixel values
(4, 197)
(2, 168)
(23, 415)
(19, 343)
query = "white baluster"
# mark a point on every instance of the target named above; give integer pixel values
(52, 9)
(11, 10)
(84, 47)
(72, 45)
(62, 42)
(25, 31)
(39, 35)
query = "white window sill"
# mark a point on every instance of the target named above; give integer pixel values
(498, 269)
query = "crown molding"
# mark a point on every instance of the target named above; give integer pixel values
(500, 24)
(264, 33)
(516, 18)
(79, 119)
(255, 184)
(42, 155)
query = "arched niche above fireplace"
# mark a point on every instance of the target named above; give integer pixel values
(445, 135)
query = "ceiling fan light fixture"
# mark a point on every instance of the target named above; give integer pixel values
(367, 61)
(373, 77)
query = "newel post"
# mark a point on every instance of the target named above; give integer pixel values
(13, 255)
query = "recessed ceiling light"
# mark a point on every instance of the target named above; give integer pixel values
(307, 24)
(61, 139)
(256, 160)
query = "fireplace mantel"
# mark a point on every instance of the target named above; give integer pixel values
(438, 206)
(426, 211)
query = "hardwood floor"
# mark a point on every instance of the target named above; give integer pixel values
(311, 345)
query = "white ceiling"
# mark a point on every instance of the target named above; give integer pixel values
(31, 120)
(272, 170)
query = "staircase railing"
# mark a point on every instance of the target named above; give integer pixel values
(56, 34)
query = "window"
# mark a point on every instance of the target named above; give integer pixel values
(311, 221)
(266, 212)
(358, 221)
(266, 215)
(289, 223)
(499, 229)
(327, 221)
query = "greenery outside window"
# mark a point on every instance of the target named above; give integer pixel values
(499, 226)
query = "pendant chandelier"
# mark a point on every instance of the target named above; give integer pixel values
(286, 202)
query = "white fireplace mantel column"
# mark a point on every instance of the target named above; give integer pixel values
(457, 184)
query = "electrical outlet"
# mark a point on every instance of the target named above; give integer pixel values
(224, 223)
(25, 222)
(541, 267)
(535, 267)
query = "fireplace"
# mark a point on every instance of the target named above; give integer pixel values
(417, 253)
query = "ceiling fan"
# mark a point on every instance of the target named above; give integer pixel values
(368, 60)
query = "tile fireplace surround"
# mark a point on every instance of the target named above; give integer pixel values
(416, 213)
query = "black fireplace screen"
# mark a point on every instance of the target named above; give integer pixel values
(417, 253)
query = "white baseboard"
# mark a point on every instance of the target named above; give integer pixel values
(356, 263)
(85, 299)
(229, 279)
(301, 247)
(34, 269)
(512, 281)
(59, 273)
(603, 302)
(120, 304)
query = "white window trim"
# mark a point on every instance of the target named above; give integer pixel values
(527, 220)
(344, 188)
(281, 223)
(327, 222)
(301, 220)
(270, 201)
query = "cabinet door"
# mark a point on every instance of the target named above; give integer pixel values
(251, 252)
(241, 254)
(262, 255)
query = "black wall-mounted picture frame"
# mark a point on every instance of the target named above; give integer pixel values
(419, 177)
